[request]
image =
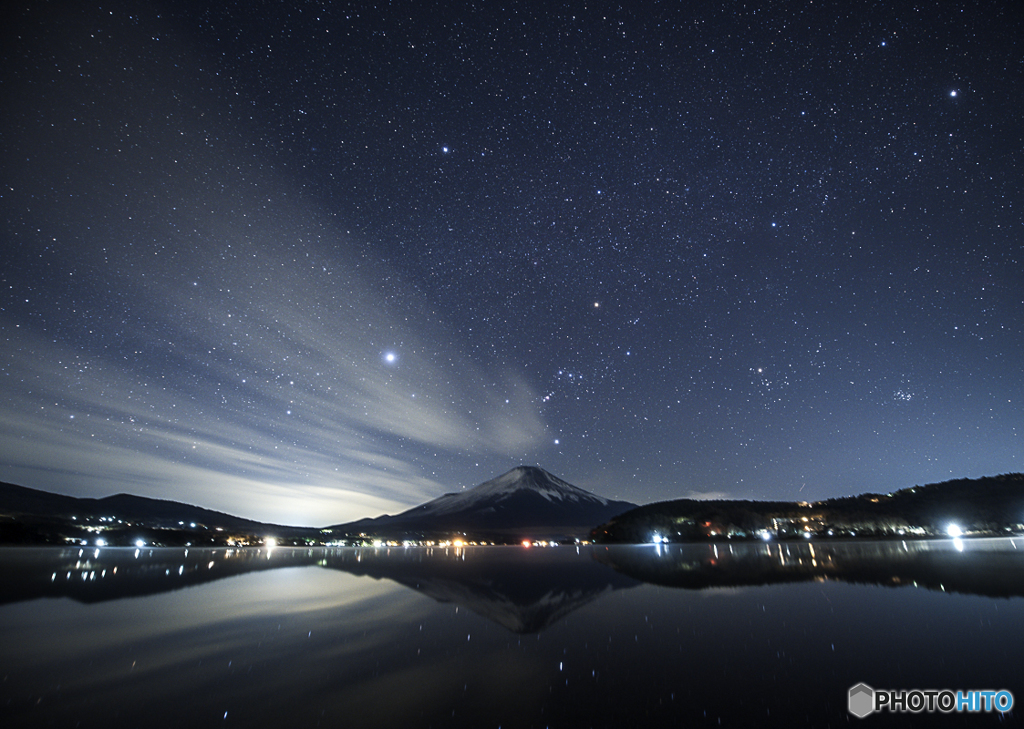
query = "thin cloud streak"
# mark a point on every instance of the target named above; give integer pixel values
(304, 400)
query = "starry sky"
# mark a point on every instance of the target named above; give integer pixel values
(309, 262)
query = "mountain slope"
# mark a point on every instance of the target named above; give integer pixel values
(526, 500)
(992, 505)
(24, 501)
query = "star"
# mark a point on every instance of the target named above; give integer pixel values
(479, 265)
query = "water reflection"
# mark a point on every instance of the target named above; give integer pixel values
(526, 590)
(523, 590)
(98, 574)
(413, 637)
(990, 567)
(196, 656)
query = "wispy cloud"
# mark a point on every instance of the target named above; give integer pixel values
(242, 364)
(708, 495)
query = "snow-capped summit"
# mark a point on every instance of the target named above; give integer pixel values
(521, 479)
(536, 479)
(526, 499)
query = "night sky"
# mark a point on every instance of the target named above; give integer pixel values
(310, 262)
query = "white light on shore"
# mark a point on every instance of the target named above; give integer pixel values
(954, 531)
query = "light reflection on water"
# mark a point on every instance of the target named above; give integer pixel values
(488, 637)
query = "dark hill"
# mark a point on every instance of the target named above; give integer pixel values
(989, 505)
(26, 504)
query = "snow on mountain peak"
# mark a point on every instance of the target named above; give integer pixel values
(533, 478)
(522, 478)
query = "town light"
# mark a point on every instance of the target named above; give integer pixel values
(954, 531)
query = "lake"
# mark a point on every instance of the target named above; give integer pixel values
(724, 634)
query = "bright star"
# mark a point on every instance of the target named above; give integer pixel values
(953, 93)
(390, 357)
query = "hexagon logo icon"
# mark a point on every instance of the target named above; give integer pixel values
(861, 701)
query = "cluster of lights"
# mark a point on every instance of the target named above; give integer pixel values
(539, 543)
(457, 542)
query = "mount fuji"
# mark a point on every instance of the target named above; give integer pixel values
(525, 502)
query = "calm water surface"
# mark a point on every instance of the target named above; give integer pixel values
(715, 635)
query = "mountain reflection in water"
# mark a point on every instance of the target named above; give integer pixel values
(990, 567)
(523, 590)
(526, 590)
(501, 636)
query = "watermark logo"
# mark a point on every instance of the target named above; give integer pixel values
(863, 700)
